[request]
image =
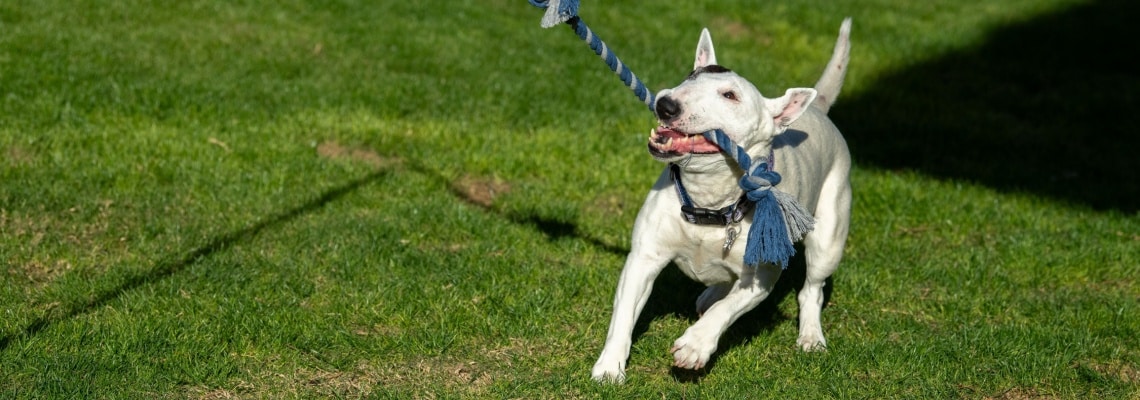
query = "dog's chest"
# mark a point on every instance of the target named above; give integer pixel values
(705, 260)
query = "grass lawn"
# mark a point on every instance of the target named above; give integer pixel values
(398, 199)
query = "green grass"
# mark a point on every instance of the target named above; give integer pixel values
(415, 200)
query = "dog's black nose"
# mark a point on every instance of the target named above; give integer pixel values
(667, 109)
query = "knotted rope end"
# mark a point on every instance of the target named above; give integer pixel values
(767, 238)
(777, 223)
(778, 220)
(557, 11)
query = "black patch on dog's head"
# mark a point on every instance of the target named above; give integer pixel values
(713, 69)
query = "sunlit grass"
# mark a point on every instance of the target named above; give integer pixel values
(295, 200)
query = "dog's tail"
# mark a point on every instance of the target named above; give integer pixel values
(831, 82)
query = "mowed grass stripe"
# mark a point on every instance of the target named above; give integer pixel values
(414, 200)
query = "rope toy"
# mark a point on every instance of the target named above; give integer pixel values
(566, 11)
(778, 220)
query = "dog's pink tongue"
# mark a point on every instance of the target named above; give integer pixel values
(668, 140)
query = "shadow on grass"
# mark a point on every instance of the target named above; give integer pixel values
(553, 228)
(1044, 107)
(166, 269)
(674, 294)
(674, 291)
(1048, 106)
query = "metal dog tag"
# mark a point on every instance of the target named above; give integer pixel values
(730, 233)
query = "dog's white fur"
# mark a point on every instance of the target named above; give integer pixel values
(813, 159)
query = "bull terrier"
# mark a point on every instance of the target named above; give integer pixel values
(793, 134)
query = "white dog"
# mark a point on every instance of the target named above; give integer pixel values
(809, 153)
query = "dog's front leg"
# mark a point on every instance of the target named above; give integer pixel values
(634, 287)
(694, 349)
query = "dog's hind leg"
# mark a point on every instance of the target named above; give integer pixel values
(823, 248)
(711, 295)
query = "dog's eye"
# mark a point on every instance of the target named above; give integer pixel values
(729, 95)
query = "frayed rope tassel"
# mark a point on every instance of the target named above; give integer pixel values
(778, 220)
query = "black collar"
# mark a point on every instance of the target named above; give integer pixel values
(706, 216)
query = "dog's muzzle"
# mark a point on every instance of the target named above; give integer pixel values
(666, 143)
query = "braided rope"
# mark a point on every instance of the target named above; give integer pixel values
(566, 11)
(725, 143)
(778, 219)
(627, 77)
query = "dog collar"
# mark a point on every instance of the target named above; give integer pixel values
(731, 214)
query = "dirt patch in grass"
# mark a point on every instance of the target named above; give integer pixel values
(1123, 286)
(358, 383)
(48, 244)
(1021, 394)
(480, 191)
(16, 155)
(39, 272)
(377, 330)
(336, 151)
(297, 383)
(430, 378)
(78, 225)
(611, 205)
(1117, 370)
(200, 393)
(1135, 237)
(737, 30)
(276, 377)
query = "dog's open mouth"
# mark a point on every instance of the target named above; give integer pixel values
(665, 142)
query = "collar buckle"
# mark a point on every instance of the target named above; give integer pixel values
(707, 216)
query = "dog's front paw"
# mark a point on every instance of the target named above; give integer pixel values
(692, 350)
(606, 371)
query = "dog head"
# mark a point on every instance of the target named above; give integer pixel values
(714, 97)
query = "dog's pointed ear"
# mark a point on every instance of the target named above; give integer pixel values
(787, 108)
(706, 56)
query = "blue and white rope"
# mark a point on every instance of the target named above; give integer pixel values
(627, 77)
(725, 143)
(778, 220)
(566, 11)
